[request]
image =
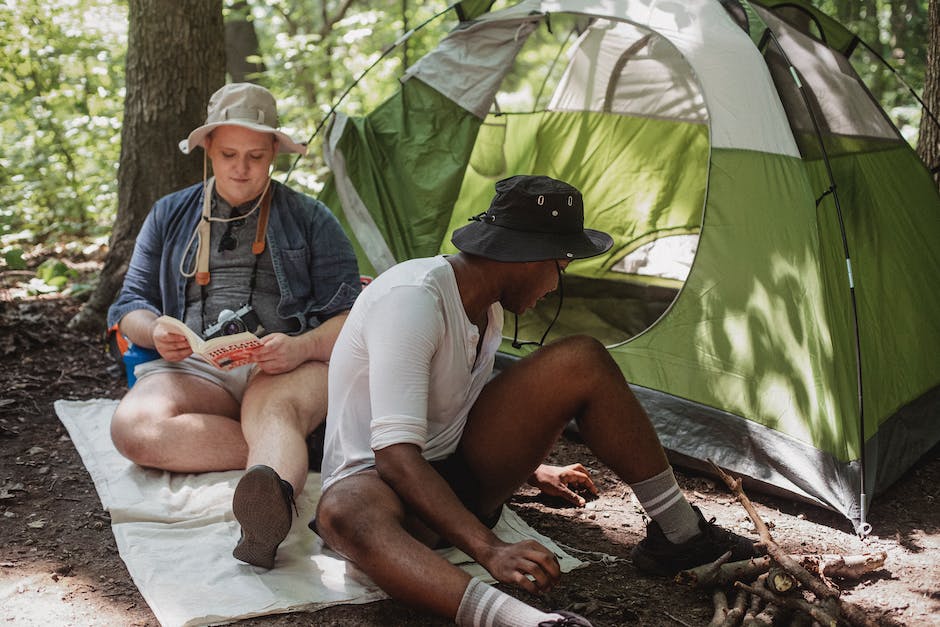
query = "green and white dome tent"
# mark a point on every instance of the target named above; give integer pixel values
(773, 291)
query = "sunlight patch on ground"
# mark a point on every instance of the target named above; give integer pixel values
(30, 598)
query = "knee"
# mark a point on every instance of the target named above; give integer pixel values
(350, 528)
(133, 434)
(582, 351)
(298, 396)
(343, 524)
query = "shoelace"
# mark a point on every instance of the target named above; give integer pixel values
(288, 491)
(564, 621)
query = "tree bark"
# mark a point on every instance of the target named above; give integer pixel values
(928, 142)
(241, 42)
(175, 60)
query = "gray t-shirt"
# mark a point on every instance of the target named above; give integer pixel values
(230, 274)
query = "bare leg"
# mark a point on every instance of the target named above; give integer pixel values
(522, 411)
(278, 413)
(363, 519)
(181, 423)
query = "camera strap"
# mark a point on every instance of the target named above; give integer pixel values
(205, 226)
(257, 246)
(203, 291)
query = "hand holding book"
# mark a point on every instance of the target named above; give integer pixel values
(224, 352)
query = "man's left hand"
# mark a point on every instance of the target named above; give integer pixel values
(280, 353)
(562, 481)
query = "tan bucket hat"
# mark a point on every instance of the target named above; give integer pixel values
(247, 105)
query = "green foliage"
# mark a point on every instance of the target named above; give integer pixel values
(313, 54)
(52, 275)
(13, 258)
(61, 101)
(62, 88)
(897, 31)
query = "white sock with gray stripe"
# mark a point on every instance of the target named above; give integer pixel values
(485, 606)
(665, 503)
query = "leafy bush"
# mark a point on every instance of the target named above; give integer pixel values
(61, 104)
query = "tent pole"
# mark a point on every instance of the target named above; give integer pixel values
(900, 78)
(398, 42)
(862, 528)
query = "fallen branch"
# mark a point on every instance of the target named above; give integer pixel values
(719, 573)
(780, 581)
(780, 556)
(844, 566)
(735, 614)
(720, 601)
(756, 603)
(826, 594)
(769, 616)
(795, 603)
(724, 573)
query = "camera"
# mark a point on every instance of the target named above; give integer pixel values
(232, 322)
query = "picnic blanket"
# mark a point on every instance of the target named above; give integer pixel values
(175, 532)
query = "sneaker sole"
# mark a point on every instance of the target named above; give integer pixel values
(259, 507)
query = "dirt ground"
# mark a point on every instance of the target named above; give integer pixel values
(59, 564)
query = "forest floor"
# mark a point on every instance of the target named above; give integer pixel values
(59, 564)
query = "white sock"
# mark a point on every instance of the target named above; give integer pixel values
(664, 502)
(485, 606)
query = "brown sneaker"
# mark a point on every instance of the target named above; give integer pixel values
(656, 555)
(262, 506)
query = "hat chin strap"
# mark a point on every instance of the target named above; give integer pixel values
(561, 299)
(202, 232)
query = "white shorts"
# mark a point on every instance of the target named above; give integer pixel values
(233, 381)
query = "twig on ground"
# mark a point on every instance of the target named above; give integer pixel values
(780, 581)
(737, 612)
(827, 595)
(756, 602)
(678, 620)
(817, 613)
(844, 566)
(720, 601)
(708, 575)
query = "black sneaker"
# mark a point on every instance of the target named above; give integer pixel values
(568, 619)
(656, 555)
(262, 506)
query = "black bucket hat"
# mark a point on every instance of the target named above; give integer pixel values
(532, 218)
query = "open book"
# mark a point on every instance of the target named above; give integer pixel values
(225, 352)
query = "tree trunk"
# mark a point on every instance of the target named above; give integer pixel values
(928, 142)
(175, 60)
(241, 42)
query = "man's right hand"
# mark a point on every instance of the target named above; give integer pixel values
(527, 565)
(171, 345)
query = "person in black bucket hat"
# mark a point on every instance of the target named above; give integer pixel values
(532, 218)
(420, 430)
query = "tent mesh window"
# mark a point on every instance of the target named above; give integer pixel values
(603, 104)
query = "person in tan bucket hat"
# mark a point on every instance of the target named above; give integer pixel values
(247, 105)
(235, 252)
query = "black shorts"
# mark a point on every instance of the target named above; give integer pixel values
(459, 477)
(461, 480)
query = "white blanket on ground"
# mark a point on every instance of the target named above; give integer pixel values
(176, 532)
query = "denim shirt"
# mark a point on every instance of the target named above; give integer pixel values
(313, 261)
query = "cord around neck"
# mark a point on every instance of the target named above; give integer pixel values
(561, 299)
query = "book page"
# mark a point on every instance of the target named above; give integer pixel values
(224, 352)
(230, 351)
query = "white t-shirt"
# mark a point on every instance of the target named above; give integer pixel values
(404, 368)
